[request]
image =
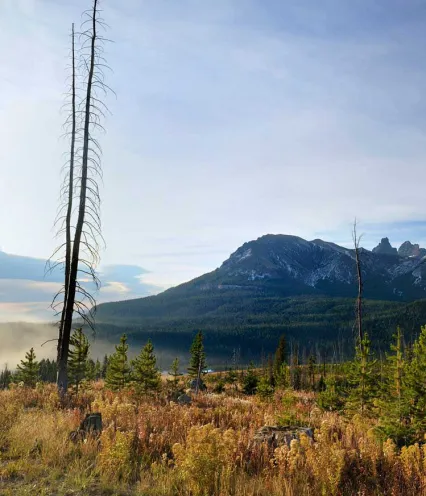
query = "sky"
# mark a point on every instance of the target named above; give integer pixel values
(231, 119)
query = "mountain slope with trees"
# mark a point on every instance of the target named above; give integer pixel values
(279, 284)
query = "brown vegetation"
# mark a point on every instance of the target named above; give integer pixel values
(156, 447)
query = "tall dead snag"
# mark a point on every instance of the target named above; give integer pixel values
(82, 225)
(356, 241)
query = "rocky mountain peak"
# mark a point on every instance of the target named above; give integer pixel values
(408, 249)
(385, 248)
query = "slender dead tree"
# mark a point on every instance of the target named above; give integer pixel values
(81, 184)
(356, 240)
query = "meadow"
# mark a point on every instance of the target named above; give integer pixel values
(155, 446)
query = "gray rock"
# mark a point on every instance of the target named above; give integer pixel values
(385, 248)
(184, 399)
(275, 436)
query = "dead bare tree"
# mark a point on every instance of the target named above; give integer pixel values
(81, 184)
(356, 240)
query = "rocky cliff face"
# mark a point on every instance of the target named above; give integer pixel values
(385, 248)
(407, 249)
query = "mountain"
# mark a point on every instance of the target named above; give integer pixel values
(385, 248)
(407, 249)
(277, 283)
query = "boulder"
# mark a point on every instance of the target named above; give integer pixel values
(275, 436)
(184, 399)
(90, 427)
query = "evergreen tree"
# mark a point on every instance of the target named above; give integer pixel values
(270, 371)
(311, 370)
(332, 397)
(264, 388)
(250, 380)
(175, 374)
(394, 414)
(197, 362)
(29, 369)
(118, 373)
(415, 386)
(48, 370)
(5, 377)
(280, 360)
(98, 370)
(104, 367)
(231, 378)
(146, 376)
(78, 358)
(362, 379)
(91, 370)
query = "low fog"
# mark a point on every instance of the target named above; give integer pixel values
(16, 338)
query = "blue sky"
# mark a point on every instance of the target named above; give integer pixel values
(233, 119)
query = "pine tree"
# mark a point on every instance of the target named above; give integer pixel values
(311, 370)
(5, 377)
(91, 370)
(175, 374)
(394, 409)
(231, 378)
(333, 395)
(48, 370)
(104, 367)
(98, 370)
(362, 379)
(146, 376)
(29, 369)
(197, 363)
(264, 388)
(250, 380)
(118, 373)
(78, 358)
(280, 361)
(415, 386)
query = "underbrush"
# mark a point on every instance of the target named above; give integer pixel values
(157, 447)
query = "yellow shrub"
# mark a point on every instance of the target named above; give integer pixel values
(117, 460)
(206, 461)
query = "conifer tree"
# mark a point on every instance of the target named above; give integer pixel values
(197, 363)
(91, 370)
(98, 370)
(78, 358)
(264, 388)
(118, 373)
(175, 374)
(394, 409)
(250, 380)
(415, 386)
(362, 379)
(104, 366)
(48, 370)
(29, 369)
(311, 370)
(146, 376)
(231, 378)
(280, 360)
(5, 377)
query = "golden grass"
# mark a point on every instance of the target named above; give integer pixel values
(162, 448)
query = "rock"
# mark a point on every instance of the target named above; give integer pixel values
(385, 248)
(184, 399)
(276, 436)
(90, 427)
(407, 249)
